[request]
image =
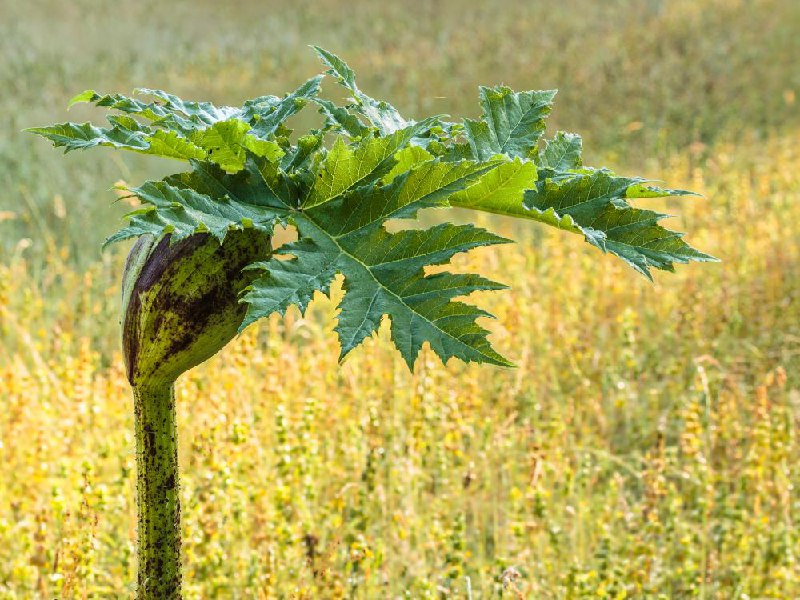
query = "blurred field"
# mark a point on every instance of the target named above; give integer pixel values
(645, 447)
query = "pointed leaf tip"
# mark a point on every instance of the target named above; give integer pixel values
(85, 96)
(338, 68)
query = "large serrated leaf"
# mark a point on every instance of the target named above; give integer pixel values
(182, 212)
(248, 172)
(595, 202)
(384, 272)
(185, 130)
(344, 233)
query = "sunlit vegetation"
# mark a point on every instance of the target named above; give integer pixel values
(646, 444)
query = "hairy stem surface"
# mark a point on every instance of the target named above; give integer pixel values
(157, 488)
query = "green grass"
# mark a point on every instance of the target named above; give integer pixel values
(647, 444)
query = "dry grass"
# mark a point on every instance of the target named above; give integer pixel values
(646, 446)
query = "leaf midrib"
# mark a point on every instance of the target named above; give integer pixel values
(381, 286)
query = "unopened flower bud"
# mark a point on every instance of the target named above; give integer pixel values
(181, 301)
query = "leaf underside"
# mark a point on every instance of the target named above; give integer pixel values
(247, 172)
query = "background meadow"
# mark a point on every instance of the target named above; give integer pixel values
(647, 443)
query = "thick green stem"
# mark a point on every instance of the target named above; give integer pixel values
(180, 306)
(157, 489)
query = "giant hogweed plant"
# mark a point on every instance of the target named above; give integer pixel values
(203, 267)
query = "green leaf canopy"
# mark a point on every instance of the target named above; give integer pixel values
(340, 184)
